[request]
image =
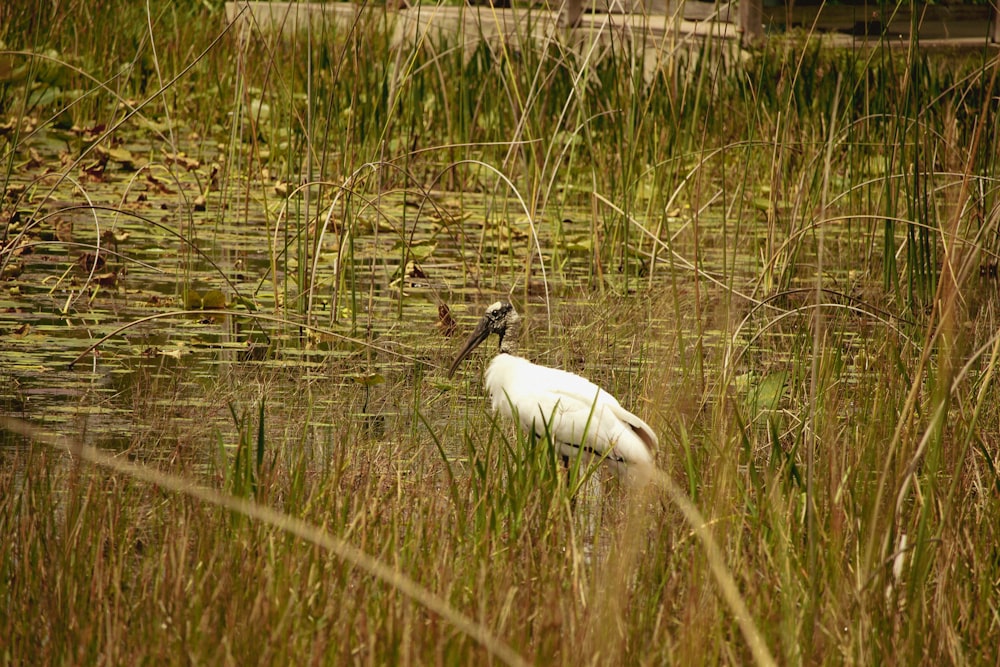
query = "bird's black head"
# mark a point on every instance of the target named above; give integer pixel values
(500, 319)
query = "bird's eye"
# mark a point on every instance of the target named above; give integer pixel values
(498, 312)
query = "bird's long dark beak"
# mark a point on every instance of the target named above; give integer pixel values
(481, 333)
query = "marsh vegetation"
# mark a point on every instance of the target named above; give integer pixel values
(235, 267)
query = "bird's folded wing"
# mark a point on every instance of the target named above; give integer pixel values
(569, 406)
(605, 423)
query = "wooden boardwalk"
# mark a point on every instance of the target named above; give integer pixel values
(464, 23)
(938, 26)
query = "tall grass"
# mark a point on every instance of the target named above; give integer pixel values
(788, 266)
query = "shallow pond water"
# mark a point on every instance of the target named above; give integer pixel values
(116, 279)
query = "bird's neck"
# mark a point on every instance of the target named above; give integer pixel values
(508, 341)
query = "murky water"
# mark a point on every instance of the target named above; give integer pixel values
(368, 292)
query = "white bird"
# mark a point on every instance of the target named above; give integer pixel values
(581, 418)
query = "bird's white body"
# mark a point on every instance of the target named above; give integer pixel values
(581, 418)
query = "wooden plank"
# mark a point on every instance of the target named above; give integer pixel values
(292, 16)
